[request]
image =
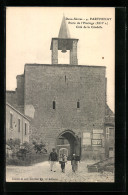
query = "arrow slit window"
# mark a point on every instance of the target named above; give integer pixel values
(78, 104)
(54, 105)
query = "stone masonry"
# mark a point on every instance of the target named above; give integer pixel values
(46, 83)
(55, 52)
(73, 53)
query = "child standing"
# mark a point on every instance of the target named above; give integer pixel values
(62, 162)
(60, 158)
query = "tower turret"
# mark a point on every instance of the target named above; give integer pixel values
(64, 43)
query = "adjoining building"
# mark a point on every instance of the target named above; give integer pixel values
(17, 124)
(65, 101)
(109, 133)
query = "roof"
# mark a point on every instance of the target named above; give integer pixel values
(17, 111)
(21, 75)
(64, 31)
(10, 91)
(66, 65)
(62, 41)
(109, 116)
(108, 111)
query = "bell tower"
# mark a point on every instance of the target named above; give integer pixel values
(64, 43)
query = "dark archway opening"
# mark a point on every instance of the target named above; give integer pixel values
(69, 144)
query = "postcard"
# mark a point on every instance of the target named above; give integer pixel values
(60, 94)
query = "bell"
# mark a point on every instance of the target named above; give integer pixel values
(64, 48)
(64, 51)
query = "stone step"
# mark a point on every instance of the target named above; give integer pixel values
(104, 165)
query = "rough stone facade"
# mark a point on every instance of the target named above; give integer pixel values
(20, 89)
(11, 97)
(66, 85)
(55, 52)
(73, 53)
(16, 98)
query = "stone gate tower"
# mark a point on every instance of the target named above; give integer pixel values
(64, 43)
(64, 101)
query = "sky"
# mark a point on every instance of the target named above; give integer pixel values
(29, 31)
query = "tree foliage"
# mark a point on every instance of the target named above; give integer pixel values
(21, 150)
(14, 144)
(25, 148)
(39, 147)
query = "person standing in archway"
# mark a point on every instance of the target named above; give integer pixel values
(53, 157)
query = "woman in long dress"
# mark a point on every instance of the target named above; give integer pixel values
(74, 163)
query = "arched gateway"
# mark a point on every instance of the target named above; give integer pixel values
(67, 140)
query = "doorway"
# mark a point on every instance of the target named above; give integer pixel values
(73, 142)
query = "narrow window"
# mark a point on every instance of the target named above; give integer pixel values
(111, 148)
(65, 78)
(11, 120)
(107, 133)
(111, 131)
(78, 104)
(54, 104)
(25, 129)
(18, 125)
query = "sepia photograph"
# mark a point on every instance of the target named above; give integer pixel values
(60, 94)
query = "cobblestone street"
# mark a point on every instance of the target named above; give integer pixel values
(41, 173)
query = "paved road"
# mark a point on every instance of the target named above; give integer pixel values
(41, 173)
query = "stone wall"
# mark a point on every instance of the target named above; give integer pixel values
(20, 89)
(55, 52)
(38, 136)
(11, 97)
(64, 84)
(73, 53)
(16, 98)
